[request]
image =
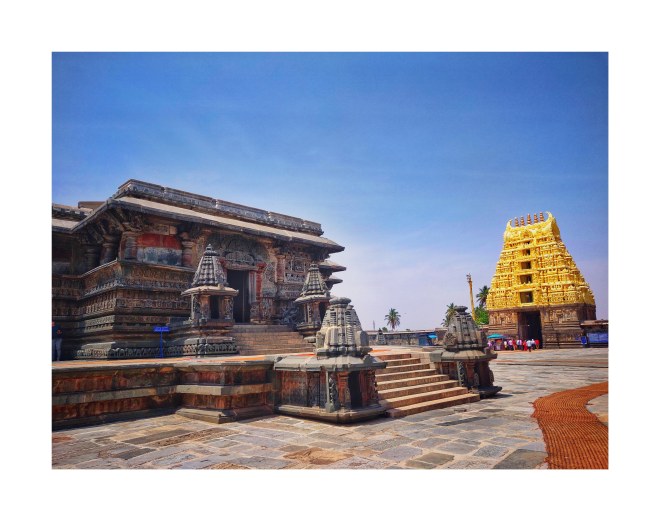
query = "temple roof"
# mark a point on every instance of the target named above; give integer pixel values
(209, 272)
(146, 198)
(535, 268)
(314, 287)
(331, 266)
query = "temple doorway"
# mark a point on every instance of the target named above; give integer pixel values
(240, 280)
(529, 326)
(354, 389)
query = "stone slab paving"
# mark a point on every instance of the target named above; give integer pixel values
(497, 433)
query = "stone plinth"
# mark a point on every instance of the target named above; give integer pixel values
(464, 356)
(338, 384)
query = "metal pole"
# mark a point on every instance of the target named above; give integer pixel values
(469, 279)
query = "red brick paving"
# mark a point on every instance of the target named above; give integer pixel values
(574, 437)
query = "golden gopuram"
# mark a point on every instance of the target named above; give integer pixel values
(537, 291)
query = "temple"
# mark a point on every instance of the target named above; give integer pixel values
(537, 291)
(154, 256)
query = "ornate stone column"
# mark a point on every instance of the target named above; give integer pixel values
(130, 245)
(187, 254)
(109, 248)
(91, 256)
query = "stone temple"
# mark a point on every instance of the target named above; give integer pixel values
(537, 290)
(128, 264)
(156, 288)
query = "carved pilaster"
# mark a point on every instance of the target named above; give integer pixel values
(109, 248)
(279, 274)
(345, 396)
(187, 253)
(130, 245)
(91, 256)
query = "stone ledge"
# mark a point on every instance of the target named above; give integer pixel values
(224, 415)
(102, 396)
(224, 390)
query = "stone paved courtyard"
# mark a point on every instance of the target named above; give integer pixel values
(493, 433)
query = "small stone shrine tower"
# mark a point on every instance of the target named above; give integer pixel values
(211, 312)
(464, 356)
(314, 299)
(339, 383)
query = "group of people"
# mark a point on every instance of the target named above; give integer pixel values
(510, 344)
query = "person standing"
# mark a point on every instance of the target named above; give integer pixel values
(57, 341)
(537, 342)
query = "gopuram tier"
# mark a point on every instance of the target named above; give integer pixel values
(537, 291)
(120, 267)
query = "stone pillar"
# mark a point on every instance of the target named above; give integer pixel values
(109, 248)
(130, 245)
(228, 308)
(187, 253)
(279, 274)
(91, 256)
(344, 391)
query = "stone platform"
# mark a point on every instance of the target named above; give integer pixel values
(494, 433)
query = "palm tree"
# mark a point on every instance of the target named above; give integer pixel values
(393, 318)
(451, 311)
(482, 296)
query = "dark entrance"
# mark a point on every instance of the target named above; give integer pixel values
(215, 307)
(354, 389)
(530, 326)
(240, 280)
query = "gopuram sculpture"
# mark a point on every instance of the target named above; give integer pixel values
(537, 291)
(338, 384)
(313, 299)
(464, 356)
(207, 331)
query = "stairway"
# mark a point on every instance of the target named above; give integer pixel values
(268, 340)
(408, 386)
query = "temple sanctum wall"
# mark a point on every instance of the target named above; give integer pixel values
(119, 266)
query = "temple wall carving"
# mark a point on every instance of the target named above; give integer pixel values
(119, 267)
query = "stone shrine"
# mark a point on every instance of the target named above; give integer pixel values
(339, 383)
(537, 291)
(464, 356)
(208, 330)
(313, 299)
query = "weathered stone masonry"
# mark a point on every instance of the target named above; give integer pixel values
(120, 266)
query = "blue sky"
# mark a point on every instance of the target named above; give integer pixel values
(413, 162)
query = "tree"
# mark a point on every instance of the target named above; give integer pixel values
(481, 316)
(451, 311)
(393, 319)
(482, 296)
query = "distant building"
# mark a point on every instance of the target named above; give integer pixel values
(537, 290)
(119, 266)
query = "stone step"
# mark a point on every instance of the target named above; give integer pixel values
(392, 356)
(407, 382)
(265, 341)
(402, 368)
(276, 351)
(395, 362)
(255, 328)
(386, 377)
(276, 334)
(402, 401)
(442, 403)
(419, 388)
